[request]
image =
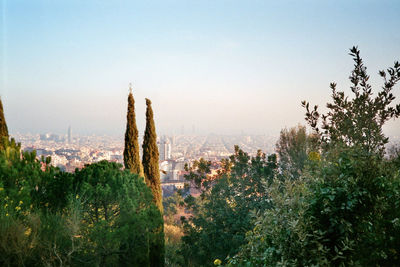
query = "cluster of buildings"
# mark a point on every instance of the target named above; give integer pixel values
(70, 152)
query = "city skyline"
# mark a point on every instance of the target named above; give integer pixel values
(221, 67)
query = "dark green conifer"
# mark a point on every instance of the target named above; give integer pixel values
(131, 150)
(3, 125)
(151, 157)
(152, 177)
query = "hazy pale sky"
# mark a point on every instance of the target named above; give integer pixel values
(223, 66)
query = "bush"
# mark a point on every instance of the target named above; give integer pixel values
(99, 216)
(173, 235)
(344, 213)
(223, 213)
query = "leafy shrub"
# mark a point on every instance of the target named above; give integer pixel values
(223, 213)
(99, 216)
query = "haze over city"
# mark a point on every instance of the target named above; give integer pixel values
(224, 67)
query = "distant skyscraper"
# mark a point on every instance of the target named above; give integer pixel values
(69, 134)
(165, 149)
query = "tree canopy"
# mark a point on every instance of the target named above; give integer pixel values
(343, 209)
(223, 214)
(357, 121)
(98, 216)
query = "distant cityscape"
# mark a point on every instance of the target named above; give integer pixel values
(70, 151)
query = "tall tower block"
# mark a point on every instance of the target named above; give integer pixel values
(69, 135)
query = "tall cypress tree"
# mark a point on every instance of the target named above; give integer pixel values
(152, 177)
(3, 126)
(131, 150)
(151, 157)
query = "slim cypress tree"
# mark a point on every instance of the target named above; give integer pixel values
(152, 177)
(3, 126)
(151, 157)
(131, 150)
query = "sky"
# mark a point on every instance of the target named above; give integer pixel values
(224, 67)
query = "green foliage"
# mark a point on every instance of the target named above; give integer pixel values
(348, 208)
(293, 148)
(131, 149)
(173, 235)
(3, 124)
(344, 208)
(38, 238)
(99, 216)
(278, 236)
(120, 219)
(198, 175)
(394, 156)
(151, 157)
(36, 220)
(345, 213)
(171, 206)
(152, 177)
(173, 229)
(357, 121)
(223, 214)
(47, 187)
